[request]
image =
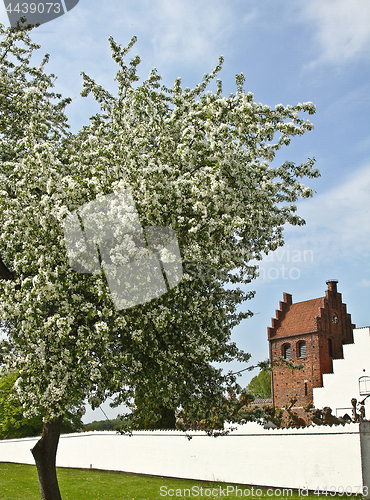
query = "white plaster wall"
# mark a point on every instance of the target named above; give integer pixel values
(342, 385)
(297, 458)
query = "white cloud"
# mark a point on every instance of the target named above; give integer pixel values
(337, 221)
(337, 231)
(188, 30)
(343, 28)
(183, 32)
(364, 283)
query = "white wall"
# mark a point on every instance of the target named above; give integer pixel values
(297, 458)
(342, 385)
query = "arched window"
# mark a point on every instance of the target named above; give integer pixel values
(330, 345)
(287, 351)
(302, 349)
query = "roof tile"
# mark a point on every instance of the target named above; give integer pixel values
(300, 318)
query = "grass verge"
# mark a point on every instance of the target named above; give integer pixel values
(19, 482)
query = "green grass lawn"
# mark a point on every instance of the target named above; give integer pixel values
(19, 482)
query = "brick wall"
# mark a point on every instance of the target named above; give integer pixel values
(299, 383)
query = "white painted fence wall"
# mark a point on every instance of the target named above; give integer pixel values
(342, 385)
(293, 458)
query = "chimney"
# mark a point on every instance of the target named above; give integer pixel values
(332, 285)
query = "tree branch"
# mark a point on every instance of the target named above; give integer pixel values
(5, 273)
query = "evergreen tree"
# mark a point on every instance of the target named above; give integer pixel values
(260, 385)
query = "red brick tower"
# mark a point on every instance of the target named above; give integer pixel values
(311, 334)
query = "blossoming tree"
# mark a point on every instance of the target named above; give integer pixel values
(195, 161)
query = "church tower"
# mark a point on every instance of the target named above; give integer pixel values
(309, 335)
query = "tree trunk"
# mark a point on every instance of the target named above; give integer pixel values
(44, 453)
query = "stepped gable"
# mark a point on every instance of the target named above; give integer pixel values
(295, 319)
(310, 316)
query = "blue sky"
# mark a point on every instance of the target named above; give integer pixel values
(289, 52)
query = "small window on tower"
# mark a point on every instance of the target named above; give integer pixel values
(302, 349)
(330, 345)
(287, 352)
